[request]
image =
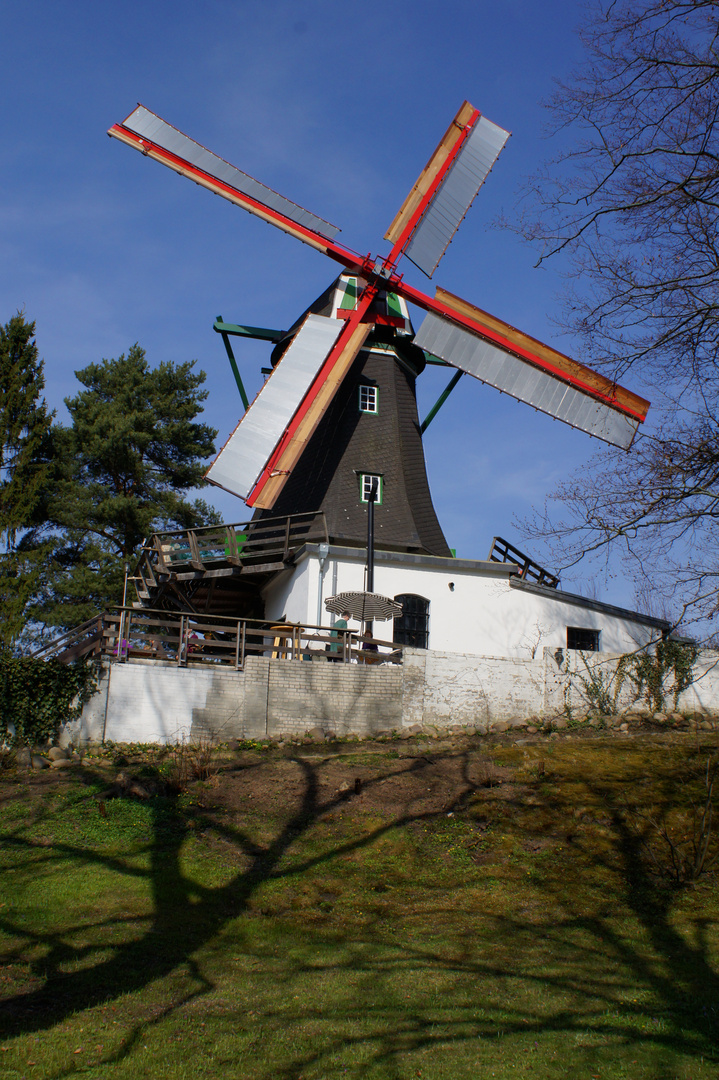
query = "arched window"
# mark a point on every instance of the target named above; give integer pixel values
(412, 626)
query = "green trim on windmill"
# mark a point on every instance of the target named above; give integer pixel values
(440, 401)
(233, 363)
(350, 292)
(394, 307)
(261, 333)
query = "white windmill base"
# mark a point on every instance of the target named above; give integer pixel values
(476, 607)
(497, 658)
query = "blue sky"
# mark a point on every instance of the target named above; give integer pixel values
(336, 106)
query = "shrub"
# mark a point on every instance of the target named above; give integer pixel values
(681, 842)
(38, 696)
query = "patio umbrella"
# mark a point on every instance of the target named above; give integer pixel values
(365, 606)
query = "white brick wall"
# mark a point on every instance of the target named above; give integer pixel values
(146, 701)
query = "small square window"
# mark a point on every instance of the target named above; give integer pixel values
(368, 399)
(366, 482)
(578, 637)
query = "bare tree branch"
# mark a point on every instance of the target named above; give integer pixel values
(634, 202)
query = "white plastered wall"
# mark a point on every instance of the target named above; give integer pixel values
(481, 614)
(289, 595)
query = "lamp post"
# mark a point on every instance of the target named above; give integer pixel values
(371, 500)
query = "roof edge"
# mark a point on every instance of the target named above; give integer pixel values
(594, 605)
(434, 562)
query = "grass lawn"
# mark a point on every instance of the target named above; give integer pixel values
(480, 908)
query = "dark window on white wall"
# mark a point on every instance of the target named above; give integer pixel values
(578, 637)
(412, 626)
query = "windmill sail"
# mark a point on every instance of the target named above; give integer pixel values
(497, 354)
(447, 187)
(311, 410)
(247, 451)
(153, 136)
(276, 431)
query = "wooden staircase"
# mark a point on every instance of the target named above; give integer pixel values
(221, 569)
(81, 641)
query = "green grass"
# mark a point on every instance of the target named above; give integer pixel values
(531, 934)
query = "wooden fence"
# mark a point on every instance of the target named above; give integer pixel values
(129, 633)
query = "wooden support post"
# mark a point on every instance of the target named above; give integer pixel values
(160, 556)
(195, 561)
(231, 552)
(287, 538)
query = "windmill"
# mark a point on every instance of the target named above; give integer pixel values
(301, 439)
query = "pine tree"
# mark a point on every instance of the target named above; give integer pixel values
(25, 426)
(124, 468)
(24, 429)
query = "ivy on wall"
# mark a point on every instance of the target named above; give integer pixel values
(661, 676)
(657, 678)
(38, 696)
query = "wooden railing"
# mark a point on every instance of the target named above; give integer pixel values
(239, 544)
(504, 552)
(80, 641)
(129, 633)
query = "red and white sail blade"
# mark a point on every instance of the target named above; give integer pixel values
(154, 137)
(501, 356)
(312, 408)
(244, 456)
(446, 188)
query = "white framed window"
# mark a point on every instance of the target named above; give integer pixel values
(366, 481)
(368, 399)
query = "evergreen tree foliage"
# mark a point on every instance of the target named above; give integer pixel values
(24, 428)
(25, 466)
(123, 469)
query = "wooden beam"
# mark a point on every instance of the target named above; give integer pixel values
(426, 178)
(526, 347)
(226, 191)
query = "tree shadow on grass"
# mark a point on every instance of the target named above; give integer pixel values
(542, 975)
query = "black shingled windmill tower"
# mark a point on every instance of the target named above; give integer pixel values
(339, 408)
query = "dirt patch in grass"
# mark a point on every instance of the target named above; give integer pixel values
(409, 783)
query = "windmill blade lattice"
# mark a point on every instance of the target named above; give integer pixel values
(446, 188)
(155, 138)
(245, 454)
(531, 372)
